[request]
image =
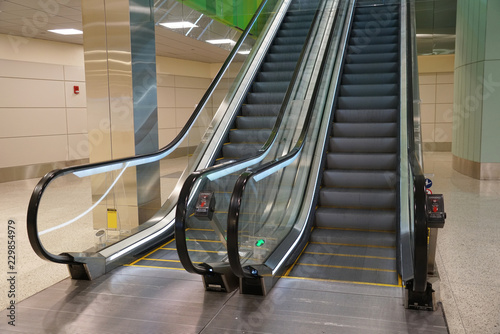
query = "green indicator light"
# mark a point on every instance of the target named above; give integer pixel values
(260, 242)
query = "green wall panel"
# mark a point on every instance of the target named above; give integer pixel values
(234, 13)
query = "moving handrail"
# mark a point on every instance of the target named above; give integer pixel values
(257, 174)
(212, 173)
(123, 163)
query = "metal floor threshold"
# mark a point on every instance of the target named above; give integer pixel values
(147, 300)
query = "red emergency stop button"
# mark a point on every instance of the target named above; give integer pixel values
(434, 209)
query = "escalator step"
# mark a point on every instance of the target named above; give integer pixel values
(371, 58)
(259, 122)
(366, 115)
(379, 16)
(359, 179)
(260, 109)
(368, 79)
(285, 48)
(358, 198)
(265, 98)
(384, 220)
(366, 130)
(278, 57)
(363, 145)
(362, 161)
(260, 87)
(355, 238)
(299, 25)
(275, 76)
(370, 68)
(373, 40)
(251, 135)
(232, 150)
(295, 40)
(279, 66)
(374, 24)
(369, 90)
(366, 32)
(292, 32)
(371, 9)
(377, 48)
(299, 17)
(366, 102)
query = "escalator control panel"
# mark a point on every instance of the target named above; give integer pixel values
(435, 211)
(205, 206)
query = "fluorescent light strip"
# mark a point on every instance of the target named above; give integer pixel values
(221, 41)
(67, 31)
(179, 25)
(244, 52)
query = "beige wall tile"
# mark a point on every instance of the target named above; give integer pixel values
(443, 132)
(23, 122)
(75, 100)
(444, 112)
(191, 82)
(166, 97)
(165, 80)
(166, 118)
(28, 93)
(78, 146)
(181, 116)
(427, 133)
(428, 93)
(29, 70)
(427, 78)
(444, 93)
(427, 112)
(445, 77)
(165, 136)
(187, 97)
(32, 150)
(74, 73)
(77, 120)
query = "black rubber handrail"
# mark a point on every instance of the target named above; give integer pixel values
(36, 196)
(184, 196)
(269, 167)
(420, 222)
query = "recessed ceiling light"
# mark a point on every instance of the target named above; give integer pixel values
(179, 25)
(67, 31)
(221, 41)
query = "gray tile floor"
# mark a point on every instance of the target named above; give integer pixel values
(467, 259)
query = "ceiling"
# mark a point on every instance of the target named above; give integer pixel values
(29, 19)
(436, 20)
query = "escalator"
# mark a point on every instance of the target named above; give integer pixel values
(350, 203)
(354, 238)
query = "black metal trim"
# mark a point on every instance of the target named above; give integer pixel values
(180, 217)
(239, 188)
(36, 196)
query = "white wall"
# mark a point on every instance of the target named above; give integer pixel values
(42, 121)
(436, 76)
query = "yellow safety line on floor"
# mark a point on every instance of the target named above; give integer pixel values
(165, 260)
(344, 267)
(298, 257)
(351, 245)
(136, 265)
(200, 240)
(348, 282)
(194, 250)
(151, 252)
(354, 229)
(352, 255)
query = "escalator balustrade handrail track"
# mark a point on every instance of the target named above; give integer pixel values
(227, 168)
(115, 164)
(420, 256)
(264, 170)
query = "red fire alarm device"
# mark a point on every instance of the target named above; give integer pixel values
(76, 89)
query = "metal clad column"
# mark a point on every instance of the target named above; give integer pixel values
(120, 68)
